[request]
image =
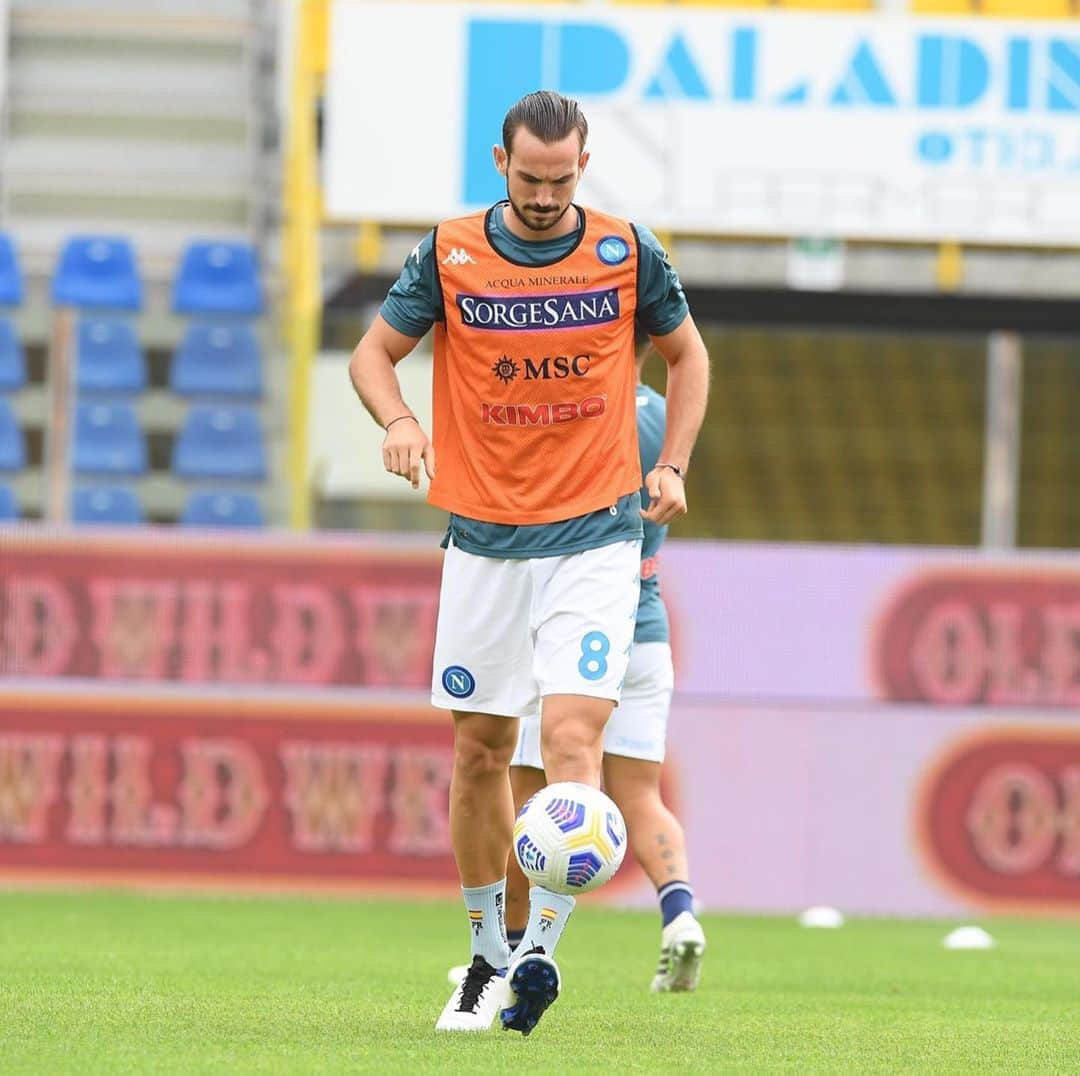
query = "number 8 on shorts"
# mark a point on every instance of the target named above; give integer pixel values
(595, 648)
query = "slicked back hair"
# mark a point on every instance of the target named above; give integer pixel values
(548, 115)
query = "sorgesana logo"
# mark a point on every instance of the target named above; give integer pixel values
(526, 313)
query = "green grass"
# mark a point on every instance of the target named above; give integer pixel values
(112, 983)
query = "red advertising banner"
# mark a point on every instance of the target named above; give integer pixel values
(187, 789)
(212, 610)
(999, 818)
(1003, 637)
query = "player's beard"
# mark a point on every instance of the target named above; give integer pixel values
(547, 221)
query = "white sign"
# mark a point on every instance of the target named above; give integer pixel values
(718, 121)
(346, 443)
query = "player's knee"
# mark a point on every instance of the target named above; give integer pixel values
(475, 758)
(569, 747)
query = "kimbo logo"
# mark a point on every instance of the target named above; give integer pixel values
(527, 313)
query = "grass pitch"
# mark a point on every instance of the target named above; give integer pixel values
(112, 983)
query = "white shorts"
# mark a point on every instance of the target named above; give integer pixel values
(513, 631)
(638, 726)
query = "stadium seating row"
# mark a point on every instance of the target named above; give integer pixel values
(101, 272)
(122, 505)
(217, 361)
(214, 358)
(214, 442)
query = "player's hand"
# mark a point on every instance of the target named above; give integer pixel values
(667, 496)
(405, 448)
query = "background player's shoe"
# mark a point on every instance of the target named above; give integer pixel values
(534, 984)
(682, 949)
(476, 1000)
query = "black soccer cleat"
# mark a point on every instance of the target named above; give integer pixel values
(534, 983)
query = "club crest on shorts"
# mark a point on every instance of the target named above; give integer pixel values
(613, 250)
(458, 681)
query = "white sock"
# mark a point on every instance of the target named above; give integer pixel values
(548, 916)
(487, 922)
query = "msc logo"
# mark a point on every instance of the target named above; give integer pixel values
(542, 414)
(458, 681)
(458, 256)
(505, 369)
(538, 311)
(550, 367)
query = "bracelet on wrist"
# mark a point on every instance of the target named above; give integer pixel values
(673, 467)
(398, 419)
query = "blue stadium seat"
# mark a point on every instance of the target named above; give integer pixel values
(12, 446)
(11, 281)
(212, 508)
(217, 360)
(97, 271)
(12, 359)
(9, 508)
(220, 442)
(108, 440)
(218, 278)
(105, 504)
(108, 357)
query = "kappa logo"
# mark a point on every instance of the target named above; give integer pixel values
(459, 256)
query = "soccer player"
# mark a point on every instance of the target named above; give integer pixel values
(634, 742)
(535, 458)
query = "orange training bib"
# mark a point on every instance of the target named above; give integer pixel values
(534, 398)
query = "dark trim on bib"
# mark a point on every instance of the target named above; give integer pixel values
(438, 271)
(533, 265)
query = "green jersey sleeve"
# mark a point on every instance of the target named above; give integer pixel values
(662, 305)
(414, 302)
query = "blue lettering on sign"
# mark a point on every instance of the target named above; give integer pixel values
(508, 58)
(1026, 72)
(1063, 82)
(678, 76)
(524, 313)
(953, 72)
(458, 681)
(863, 83)
(935, 147)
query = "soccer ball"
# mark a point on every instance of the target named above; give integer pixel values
(569, 838)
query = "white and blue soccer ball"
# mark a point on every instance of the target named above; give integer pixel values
(569, 838)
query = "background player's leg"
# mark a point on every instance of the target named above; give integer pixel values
(656, 837)
(525, 781)
(659, 845)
